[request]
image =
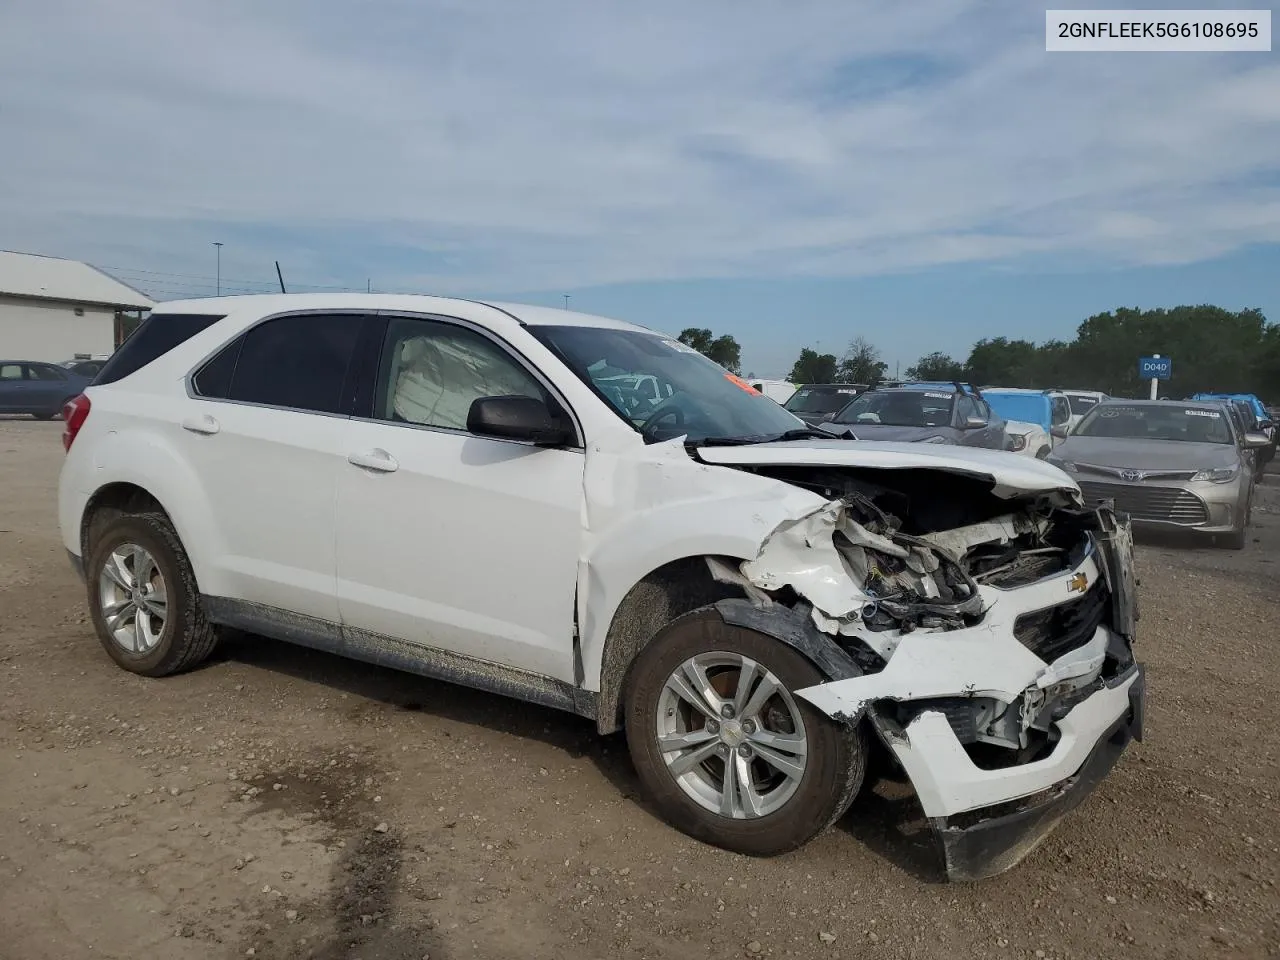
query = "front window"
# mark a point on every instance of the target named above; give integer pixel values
(820, 402)
(905, 408)
(665, 389)
(1023, 407)
(1150, 422)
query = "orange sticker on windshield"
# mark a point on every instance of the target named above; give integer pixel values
(738, 381)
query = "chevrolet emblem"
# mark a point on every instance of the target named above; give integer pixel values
(1077, 583)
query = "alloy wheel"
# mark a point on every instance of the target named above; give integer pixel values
(731, 735)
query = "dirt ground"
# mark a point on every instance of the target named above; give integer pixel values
(284, 803)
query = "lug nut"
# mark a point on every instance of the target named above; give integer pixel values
(722, 750)
(727, 711)
(748, 726)
(744, 751)
(713, 727)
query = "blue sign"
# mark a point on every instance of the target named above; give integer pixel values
(1155, 368)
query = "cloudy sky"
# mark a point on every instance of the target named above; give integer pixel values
(798, 172)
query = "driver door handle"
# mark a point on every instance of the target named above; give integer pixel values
(376, 459)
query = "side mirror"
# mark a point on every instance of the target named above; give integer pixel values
(1254, 440)
(516, 418)
(1059, 431)
(1266, 424)
(974, 423)
(829, 417)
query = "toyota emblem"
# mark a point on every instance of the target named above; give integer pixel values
(1131, 475)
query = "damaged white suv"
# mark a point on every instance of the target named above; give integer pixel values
(497, 495)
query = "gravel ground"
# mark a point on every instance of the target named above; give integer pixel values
(285, 803)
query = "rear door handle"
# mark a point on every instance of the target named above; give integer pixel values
(202, 424)
(376, 459)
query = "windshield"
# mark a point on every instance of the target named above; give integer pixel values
(1024, 407)
(1080, 405)
(1150, 422)
(900, 408)
(820, 400)
(665, 389)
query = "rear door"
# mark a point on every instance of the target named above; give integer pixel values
(263, 428)
(50, 386)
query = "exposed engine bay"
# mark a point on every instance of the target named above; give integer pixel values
(980, 620)
(917, 551)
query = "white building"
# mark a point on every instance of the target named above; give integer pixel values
(53, 309)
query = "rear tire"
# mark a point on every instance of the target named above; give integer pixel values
(782, 807)
(143, 597)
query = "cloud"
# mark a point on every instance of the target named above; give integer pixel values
(505, 145)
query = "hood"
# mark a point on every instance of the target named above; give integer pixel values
(1010, 474)
(879, 431)
(1125, 452)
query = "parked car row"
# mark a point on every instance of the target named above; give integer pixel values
(1172, 464)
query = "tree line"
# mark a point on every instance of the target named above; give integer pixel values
(1212, 350)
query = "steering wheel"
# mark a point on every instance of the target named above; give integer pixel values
(667, 409)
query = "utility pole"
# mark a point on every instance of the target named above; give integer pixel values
(219, 280)
(566, 301)
(368, 285)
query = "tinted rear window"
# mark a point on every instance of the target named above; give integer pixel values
(155, 337)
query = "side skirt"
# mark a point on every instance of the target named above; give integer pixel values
(399, 654)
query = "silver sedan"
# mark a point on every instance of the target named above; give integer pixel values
(1168, 464)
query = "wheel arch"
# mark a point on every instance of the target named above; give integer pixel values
(679, 588)
(142, 475)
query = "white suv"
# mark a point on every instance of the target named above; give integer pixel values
(452, 488)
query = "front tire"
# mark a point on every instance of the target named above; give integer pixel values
(753, 769)
(143, 597)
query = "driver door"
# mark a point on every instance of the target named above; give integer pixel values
(450, 540)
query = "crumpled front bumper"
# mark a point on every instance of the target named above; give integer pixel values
(981, 846)
(987, 819)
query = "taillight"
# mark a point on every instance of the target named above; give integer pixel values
(74, 414)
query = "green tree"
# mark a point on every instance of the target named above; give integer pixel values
(1001, 362)
(936, 366)
(814, 367)
(723, 349)
(861, 363)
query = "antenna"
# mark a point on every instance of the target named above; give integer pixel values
(280, 277)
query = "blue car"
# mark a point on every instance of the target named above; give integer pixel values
(1029, 418)
(38, 389)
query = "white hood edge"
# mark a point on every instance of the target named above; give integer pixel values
(1012, 475)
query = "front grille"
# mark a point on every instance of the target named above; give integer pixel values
(1052, 632)
(1142, 502)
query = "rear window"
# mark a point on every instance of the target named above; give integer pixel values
(155, 337)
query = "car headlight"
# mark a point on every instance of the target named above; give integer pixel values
(933, 440)
(1017, 441)
(1221, 475)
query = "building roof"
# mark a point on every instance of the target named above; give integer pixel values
(53, 278)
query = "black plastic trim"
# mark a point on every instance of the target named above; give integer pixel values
(399, 654)
(794, 627)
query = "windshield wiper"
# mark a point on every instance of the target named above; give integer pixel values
(800, 433)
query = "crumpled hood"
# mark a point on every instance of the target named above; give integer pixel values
(1011, 475)
(882, 432)
(1140, 454)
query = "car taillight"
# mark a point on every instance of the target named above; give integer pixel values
(74, 414)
